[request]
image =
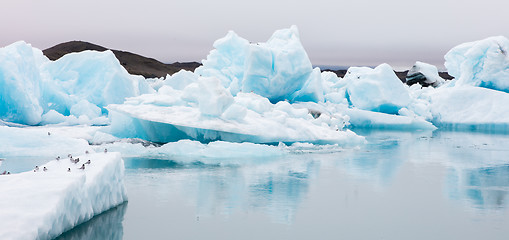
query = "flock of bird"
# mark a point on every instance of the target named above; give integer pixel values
(73, 160)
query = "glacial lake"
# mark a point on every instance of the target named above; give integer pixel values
(401, 185)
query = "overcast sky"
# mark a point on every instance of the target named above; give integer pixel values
(356, 32)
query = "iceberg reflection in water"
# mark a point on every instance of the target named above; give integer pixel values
(483, 188)
(401, 185)
(107, 225)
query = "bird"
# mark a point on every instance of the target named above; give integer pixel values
(68, 169)
(82, 167)
(88, 162)
(69, 155)
(77, 160)
(49, 133)
(45, 169)
(105, 150)
(71, 159)
(36, 168)
(5, 172)
(58, 158)
(86, 152)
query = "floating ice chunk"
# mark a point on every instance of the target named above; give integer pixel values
(329, 79)
(483, 63)
(37, 142)
(181, 79)
(213, 98)
(254, 102)
(226, 61)
(312, 90)
(85, 108)
(20, 79)
(278, 69)
(44, 204)
(54, 117)
(471, 108)
(267, 123)
(96, 77)
(368, 119)
(32, 85)
(377, 89)
(189, 151)
(424, 74)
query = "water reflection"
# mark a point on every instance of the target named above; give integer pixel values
(107, 225)
(482, 188)
(474, 164)
(380, 160)
(275, 188)
(477, 163)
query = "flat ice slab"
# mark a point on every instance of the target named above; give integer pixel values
(44, 204)
(167, 124)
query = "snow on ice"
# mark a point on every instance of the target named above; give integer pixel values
(483, 63)
(42, 204)
(424, 74)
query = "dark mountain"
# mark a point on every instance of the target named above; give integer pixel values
(133, 63)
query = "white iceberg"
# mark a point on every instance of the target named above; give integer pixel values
(470, 108)
(20, 80)
(44, 204)
(483, 63)
(378, 89)
(278, 69)
(40, 142)
(249, 118)
(73, 89)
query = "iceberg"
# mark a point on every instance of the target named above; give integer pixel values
(483, 63)
(43, 204)
(243, 92)
(278, 69)
(248, 118)
(20, 80)
(377, 89)
(39, 142)
(470, 108)
(424, 74)
(73, 89)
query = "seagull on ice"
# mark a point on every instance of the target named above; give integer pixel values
(105, 150)
(88, 162)
(82, 167)
(68, 169)
(86, 152)
(58, 158)
(69, 155)
(45, 169)
(77, 160)
(36, 168)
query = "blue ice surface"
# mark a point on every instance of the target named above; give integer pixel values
(278, 69)
(77, 84)
(483, 63)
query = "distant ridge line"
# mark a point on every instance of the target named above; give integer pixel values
(134, 64)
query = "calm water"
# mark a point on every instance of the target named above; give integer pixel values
(441, 185)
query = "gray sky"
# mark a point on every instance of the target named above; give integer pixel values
(356, 32)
